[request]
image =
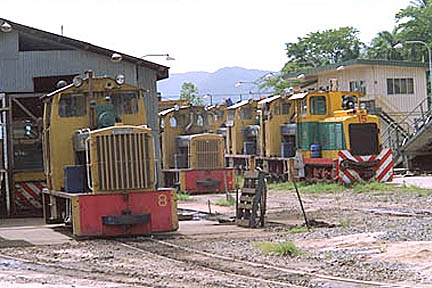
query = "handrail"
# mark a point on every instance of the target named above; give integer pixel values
(394, 126)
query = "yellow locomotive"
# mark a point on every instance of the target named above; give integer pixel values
(315, 135)
(338, 140)
(100, 163)
(192, 153)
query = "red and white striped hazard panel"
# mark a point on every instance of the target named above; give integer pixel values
(369, 168)
(28, 195)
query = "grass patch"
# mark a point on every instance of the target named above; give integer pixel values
(316, 188)
(311, 188)
(278, 249)
(183, 197)
(344, 223)
(229, 201)
(298, 229)
(373, 186)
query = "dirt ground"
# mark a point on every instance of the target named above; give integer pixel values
(381, 239)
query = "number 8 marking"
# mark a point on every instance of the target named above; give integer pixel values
(162, 200)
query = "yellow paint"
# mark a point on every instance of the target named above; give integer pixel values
(94, 155)
(29, 176)
(174, 216)
(271, 119)
(182, 177)
(203, 137)
(235, 138)
(76, 223)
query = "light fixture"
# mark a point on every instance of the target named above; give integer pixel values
(77, 81)
(120, 79)
(340, 68)
(115, 58)
(301, 76)
(5, 27)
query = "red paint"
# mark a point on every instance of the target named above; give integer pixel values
(320, 161)
(93, 207)
(194, 177)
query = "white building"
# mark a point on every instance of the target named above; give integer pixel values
(395, 87)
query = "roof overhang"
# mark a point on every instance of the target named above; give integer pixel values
(298, 96)
(314, 72)
(161, 71)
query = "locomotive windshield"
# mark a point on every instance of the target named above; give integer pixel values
(72, 105)
(125, 102)
(318, 105)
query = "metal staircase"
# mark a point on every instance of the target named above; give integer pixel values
(410, 138)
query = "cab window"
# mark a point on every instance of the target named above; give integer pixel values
(246, 113)
(230, 115)
(173, 122)
(318, 105)
(72, 105)
(125, 102)
(304, 107)
(200, 120)
(285, 108)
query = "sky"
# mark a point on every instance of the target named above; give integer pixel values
(203, 35)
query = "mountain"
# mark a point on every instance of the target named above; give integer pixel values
(220, 84)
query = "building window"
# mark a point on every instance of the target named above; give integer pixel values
(400, 86)
(358, 86)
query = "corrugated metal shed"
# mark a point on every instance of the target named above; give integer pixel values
(27, 53)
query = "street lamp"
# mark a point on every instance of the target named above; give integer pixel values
(240, 83)
(168, 58)
(400, 45)
(211, 98)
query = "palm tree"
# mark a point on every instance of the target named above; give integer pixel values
(382, 46)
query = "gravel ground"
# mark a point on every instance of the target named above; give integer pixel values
(373, 236)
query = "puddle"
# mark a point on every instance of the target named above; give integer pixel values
(8, 263)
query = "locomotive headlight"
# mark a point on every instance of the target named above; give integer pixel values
(77, 81)
(120, 79)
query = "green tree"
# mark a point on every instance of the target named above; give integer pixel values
(323, 48)
(314, 50)
(189, 92)
(415, 23)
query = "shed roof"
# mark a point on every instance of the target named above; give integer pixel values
(162, 71)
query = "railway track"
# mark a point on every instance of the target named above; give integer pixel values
(262, 272)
